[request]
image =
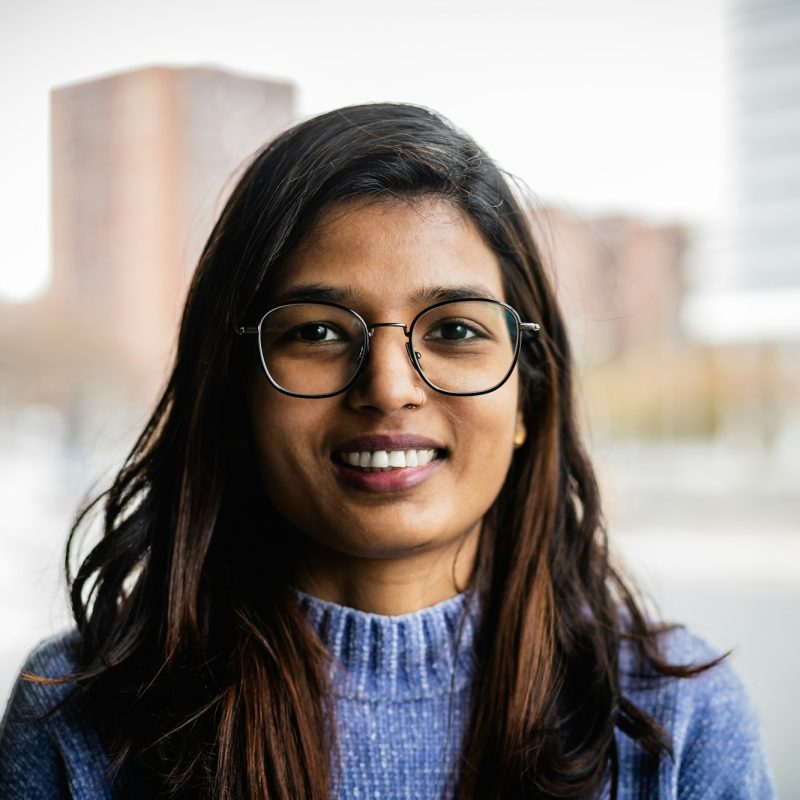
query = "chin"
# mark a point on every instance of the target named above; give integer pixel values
(379, 545)
(394, 540)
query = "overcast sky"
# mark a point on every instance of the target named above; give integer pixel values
(617, 105)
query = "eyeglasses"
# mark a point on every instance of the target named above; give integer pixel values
(460, 347)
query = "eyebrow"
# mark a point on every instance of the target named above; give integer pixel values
(318, 293)
(347, 295)
(440, 294)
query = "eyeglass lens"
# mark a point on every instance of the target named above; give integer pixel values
(314, 349)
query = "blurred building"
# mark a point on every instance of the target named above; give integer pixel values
(750, 321)
(765, 64)
(621, 283)
(619, 280)
(141, 165)
(757, 295)
(142, 162)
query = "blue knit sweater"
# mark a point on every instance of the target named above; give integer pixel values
(403, 692)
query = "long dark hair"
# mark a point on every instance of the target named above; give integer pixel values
(196, 664)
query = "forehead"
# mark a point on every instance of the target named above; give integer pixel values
(391, 253)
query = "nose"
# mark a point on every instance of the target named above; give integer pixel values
(388, 380)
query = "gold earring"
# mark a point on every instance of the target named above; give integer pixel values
(521, 435)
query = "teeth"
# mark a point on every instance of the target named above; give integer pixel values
(425, 456)
(388, 459)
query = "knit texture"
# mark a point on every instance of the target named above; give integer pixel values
(403, 693)
(403, 688)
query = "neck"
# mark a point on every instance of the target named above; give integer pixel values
(391, 585)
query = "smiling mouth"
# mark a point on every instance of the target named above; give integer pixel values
(388, 460)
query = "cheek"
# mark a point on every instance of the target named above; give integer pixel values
(282, 429)
(485, 435)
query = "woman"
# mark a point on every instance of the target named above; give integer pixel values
(358, 551)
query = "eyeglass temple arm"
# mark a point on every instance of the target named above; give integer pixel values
(243, 329)
(531, 327)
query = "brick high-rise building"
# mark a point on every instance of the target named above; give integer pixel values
(141, 164)
(619, 280)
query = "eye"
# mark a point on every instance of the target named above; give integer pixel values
(452, 331)
(315, 332)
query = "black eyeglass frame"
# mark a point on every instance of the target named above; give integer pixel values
(408, 331)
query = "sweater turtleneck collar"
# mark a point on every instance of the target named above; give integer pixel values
(426, 653)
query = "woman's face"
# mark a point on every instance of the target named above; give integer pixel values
(385, 260)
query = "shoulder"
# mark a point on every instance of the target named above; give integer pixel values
(710, 720)
(46, 749)
(712, 701)
(56, 654)
(53, 658)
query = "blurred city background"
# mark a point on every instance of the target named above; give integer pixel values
(660, 144)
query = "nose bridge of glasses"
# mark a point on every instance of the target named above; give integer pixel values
(411, 354)
(406, 333)
(371, 328)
